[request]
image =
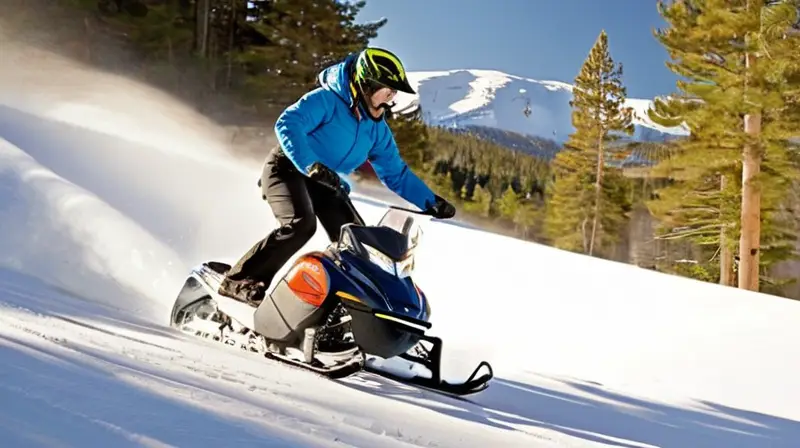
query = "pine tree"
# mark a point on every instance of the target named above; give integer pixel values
(509, 206)
(741, 116)
(569, 202)
(584, 208)
(412, 138)
(482, 202)
(301, 38)
(700, 203)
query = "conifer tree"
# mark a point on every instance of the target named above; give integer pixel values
(411, 136)
(482, 202)
(584, 207)
(741, 116)
(302, 37)
(509, 205)
(700, 204)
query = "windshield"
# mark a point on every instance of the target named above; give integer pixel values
(390, 245)
(404, 223)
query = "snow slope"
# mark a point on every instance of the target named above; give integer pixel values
(458, 98)
(109, 192)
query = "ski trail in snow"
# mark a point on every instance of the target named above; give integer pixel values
(61, 232)
(264, 400)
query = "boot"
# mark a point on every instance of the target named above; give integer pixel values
(249, 291)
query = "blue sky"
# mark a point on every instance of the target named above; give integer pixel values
(533, 38)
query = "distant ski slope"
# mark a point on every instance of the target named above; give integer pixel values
(102, 218)
(457, 98)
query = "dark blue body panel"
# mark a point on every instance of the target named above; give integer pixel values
(377, 292)
(394, 294)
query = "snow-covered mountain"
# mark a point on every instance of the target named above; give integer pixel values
(461, 98)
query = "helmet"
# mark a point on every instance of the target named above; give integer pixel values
(379, 66)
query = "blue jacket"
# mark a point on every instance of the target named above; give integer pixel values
(321, 127)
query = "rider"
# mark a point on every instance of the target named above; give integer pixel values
(332, 129)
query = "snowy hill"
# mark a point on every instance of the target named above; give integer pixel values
(460, 98)
(110, 191)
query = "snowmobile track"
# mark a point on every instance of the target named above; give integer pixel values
(356, 373)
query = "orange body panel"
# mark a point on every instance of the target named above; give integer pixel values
(309, 280)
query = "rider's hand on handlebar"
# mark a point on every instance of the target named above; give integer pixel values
(441, 209)
(328, 177)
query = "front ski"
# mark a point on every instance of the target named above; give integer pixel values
(470, 386)
(431, 359)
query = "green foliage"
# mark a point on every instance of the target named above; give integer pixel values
(508, 206)
(707, 42)
(301, 37)
(257, 56)
(481, 203)
(501, 187)
(588, 200)
(696, 271)
(412, 138)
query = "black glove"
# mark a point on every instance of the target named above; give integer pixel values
(441, 209)
(326, 176)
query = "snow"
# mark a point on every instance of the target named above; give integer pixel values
(110, 192)
(457, 98)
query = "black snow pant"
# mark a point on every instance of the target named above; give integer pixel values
(296, 202)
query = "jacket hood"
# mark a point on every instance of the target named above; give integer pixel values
(336, 78)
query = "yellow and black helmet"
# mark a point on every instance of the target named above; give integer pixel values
(376, 65)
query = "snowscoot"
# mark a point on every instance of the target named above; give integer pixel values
(336, 312)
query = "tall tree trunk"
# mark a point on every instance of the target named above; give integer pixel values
(202, 13)
(170, 54)
(231, 36)
(749, 241)
(88, 35)
(598, 191)
(725, 251)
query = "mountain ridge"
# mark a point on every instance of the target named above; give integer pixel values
(460, 98)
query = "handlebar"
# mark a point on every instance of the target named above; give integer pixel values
(342, 194)
(408, 210)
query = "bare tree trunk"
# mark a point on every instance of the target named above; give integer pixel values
(583, 234)
(170, 53)
(203, 9)
(725, 252)
(598, 191)
(88, 42)
(231, 34)
(749, 241)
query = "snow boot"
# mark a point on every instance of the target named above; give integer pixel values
(248, 291)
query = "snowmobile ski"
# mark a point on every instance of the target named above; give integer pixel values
(469, 387)
(431, 359)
